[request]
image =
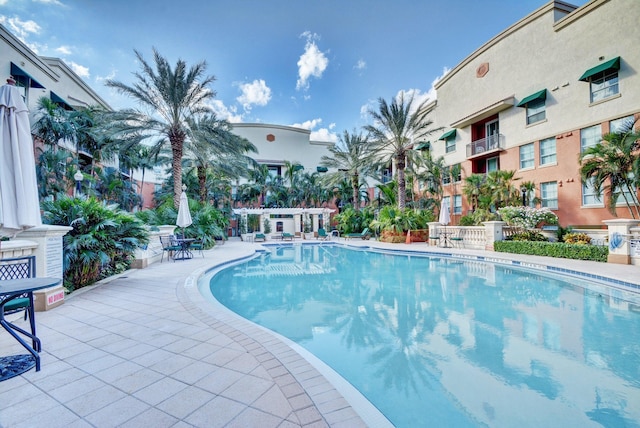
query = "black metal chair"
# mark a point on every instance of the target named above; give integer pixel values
(169, 246)
(18, 268)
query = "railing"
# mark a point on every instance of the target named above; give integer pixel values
(486, 145)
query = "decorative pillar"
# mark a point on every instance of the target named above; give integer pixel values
(434, 232)
(49, 262)
(619, 246)
(492, 233)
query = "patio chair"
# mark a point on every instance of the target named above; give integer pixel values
(169, 246)
(198, 245)
(18, 268)
(259, 237)
(365, 234)
(322, 234)
(457, 240)
(287, 236)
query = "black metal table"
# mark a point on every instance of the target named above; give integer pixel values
(184, 252)
(11, 289)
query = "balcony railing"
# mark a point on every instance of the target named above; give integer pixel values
(490, 144)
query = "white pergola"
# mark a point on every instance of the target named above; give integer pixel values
(291, 218)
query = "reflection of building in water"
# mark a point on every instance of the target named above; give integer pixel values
(294, 260)
(486, 271)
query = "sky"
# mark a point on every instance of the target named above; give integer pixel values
(320, 65)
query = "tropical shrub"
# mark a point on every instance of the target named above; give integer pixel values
(577, 238)
(477, 217)
(352, 221)
(394, 222)
(527, 217)
(102, 242)
(527, 235)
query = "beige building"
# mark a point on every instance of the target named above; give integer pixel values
(538, 93)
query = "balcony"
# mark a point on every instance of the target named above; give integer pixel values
(485, 146)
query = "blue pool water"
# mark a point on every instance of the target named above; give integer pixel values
(436, 341)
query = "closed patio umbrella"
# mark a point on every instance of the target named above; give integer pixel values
(184, 215)
(445, 216)
(19, 205)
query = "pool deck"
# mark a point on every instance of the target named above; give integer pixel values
(145, 349)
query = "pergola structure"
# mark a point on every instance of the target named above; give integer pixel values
(289, 220)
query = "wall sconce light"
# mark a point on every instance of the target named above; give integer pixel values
(560, 183)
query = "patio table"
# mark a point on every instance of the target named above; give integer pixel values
(11, 289)
(184, 252)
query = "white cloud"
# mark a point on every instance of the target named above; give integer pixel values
(312, 62)
(19, 27)
(254, 93)
(80, 70)
(55, 2)
(63, 50)
(224, 112)
(321, 134)
(360, 65)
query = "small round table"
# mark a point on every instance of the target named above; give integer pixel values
(11, 289)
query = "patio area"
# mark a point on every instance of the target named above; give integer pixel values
(145, 349)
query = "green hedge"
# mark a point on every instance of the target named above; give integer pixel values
(596, 253)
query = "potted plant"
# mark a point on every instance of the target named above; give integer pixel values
(308, 228)
(242, 227)
(266, 226)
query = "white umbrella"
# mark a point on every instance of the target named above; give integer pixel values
(445, 217)
(19, 205)
(184, 215)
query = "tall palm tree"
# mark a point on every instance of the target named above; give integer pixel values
(501, 188)
(51, 124)
(396, 125)
(351, 157)
(171, 95)
(614, 166)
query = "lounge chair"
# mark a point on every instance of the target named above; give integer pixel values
(365, 234)
(322, 234)
(259, 237)
(287, 236)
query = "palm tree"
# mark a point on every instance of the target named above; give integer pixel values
(472, 189)
(614, 167)
(52, 124)
(210, 145)
(396, 125)
(172, 95)
(501, 188)
(351, 157)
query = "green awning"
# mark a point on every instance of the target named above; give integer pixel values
(612, 64)
(60, 101)
(24, 77)
(448, 135)
(322, 169)
(298, 167)
(425, 145)
(540, 95)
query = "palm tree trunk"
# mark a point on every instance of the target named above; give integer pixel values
(356, 192)
(176, 164)
(202, 183)
(402, 183)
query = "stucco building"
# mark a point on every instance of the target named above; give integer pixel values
(536, 95)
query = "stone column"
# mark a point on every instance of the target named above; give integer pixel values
(434, 229)
(49, 262)
(619, 233)
(49, 251)
(492, 233)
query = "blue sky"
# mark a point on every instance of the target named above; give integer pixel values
(314, 64)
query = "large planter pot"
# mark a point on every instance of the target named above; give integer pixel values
(420, 235)
(308, 235)
(393, 237)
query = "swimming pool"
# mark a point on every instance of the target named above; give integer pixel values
(444, 341)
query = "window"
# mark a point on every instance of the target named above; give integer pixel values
(536, 111)
(458, 177)
(450, 145)
(446, 175)
(604, 85)
(275, 170)
(590, 136)
(621, 125)
(548, 151)
(589, 196)
(526, 156)
(549, 194)
(457, 204)
(492, 164)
